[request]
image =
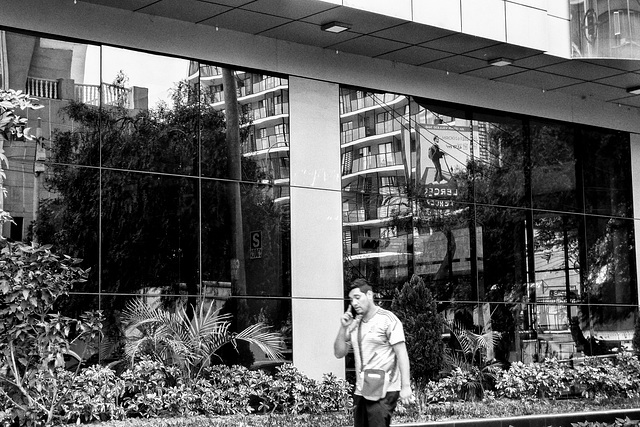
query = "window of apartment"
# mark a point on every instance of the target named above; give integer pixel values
(280, 129)
(385, 154)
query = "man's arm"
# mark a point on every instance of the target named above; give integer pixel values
(405, 372)
(340, 345)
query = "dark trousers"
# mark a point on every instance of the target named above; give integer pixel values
(367, 413)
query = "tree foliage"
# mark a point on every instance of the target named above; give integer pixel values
(417, 310)
(36, 340)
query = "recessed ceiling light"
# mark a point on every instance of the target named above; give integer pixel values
(500, 62)
(335, 27)
(634, 90)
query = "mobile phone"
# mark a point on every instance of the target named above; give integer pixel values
(352, 311)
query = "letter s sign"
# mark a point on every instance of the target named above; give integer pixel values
(256, 239)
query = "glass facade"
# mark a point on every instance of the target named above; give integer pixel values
(517, 225)
(169, 178)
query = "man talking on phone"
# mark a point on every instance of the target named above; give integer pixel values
(382, 362)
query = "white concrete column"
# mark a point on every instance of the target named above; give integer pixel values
(316, 225)
(635, 181)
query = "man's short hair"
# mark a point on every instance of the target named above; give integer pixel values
(361, 284)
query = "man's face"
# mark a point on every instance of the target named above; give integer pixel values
(361, 302)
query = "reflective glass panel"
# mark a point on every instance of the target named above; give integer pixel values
(149, 121)
(245, 239)
(150, 228)
(254, 145)
(553, 167)
(606, 172)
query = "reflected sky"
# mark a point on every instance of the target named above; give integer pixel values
(156, 73)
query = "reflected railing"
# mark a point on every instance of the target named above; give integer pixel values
(380, 212)
(268, 84)
(373, 161)
(380, 128)
(348, 105)
(264, 112)
(269, 142)
(42, 88)
(84, 93)
(265, 85)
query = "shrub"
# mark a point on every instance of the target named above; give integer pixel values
(152, 389)
(292, 392)
(600, 378)
(417, 310)
(94, 395)
(232, 390)
(549, 379)
(35, 341)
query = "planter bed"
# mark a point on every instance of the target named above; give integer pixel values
(543, 420)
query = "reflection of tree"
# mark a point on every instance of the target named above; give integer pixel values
(153, 224)
(609, 278)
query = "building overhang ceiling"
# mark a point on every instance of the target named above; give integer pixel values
(385, 37)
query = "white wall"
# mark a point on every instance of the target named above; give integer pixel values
(316, 225)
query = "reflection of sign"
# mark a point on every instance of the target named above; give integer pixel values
(439, 196)
(255, 250)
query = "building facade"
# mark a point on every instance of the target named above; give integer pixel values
(248, 153)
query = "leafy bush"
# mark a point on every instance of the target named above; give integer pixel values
(600, 378)
(94, 395)
(549, 379)
(34, 341)
(239, 390)
(619, 422)
(232, 390)
(152, 389)
(417, 310)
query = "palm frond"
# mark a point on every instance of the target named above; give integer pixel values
(207, 322)
(270, 342)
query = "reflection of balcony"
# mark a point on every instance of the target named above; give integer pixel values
(379, 213)
(264, 112)
(380, 128)
(42, 88)
(271, 143)
(374, 161)
(267, 84)
(132, 97)
(262, 86)
(111, 95)
(348, 105)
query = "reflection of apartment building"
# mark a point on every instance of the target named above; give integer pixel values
(265, 102)
(373, 181)
(385, 139)
(53, 72)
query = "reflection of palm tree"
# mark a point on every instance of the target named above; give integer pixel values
(189, 342)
